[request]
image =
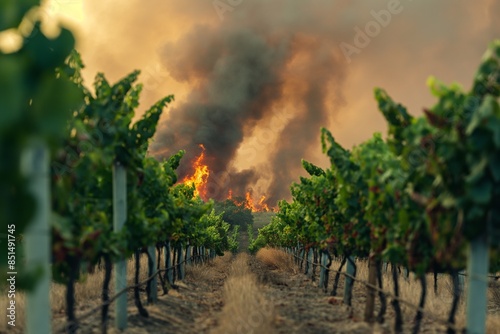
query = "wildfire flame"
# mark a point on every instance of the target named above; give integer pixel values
(263, 205)
(199, 180)
(200, 176)
(249, 202)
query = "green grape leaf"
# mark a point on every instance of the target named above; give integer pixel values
(11, 90)
(312, 169)
(53, 103)
(48, 53)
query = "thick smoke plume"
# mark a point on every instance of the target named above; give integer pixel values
(242, 68)
(258, 78)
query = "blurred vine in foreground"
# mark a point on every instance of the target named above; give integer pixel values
(35, 104)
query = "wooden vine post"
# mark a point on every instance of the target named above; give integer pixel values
(189, 254)
(35, 166)
(477, 272)
(180, 263)
(461, 282)
(322, 272)
(153, 284)
(119, 218)
(350, 270)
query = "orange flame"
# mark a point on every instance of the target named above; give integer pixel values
(263, 205)
(200, 176)
(199, 180)
(249, 203)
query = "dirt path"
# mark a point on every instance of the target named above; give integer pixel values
(247, 294)
(243, 294)
(246, 307)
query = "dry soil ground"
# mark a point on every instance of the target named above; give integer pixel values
(260, 294)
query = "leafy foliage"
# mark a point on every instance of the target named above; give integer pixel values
(159, 210)
(35, 105)
(234, 212)
(415, 199)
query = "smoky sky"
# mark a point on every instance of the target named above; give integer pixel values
(267, 58)
(240, 69)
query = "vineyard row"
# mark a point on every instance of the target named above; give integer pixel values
(426, 197)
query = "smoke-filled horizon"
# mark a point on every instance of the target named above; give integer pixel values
(257, 79)
(242, 69)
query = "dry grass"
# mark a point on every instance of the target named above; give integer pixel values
(87, 295)
(245, 310)
(276, 259)
(209, 271)
(495, 295)
(437, 305)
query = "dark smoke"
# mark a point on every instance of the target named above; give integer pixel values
(269, 57)
(241, 68)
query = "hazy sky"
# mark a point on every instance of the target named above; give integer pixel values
(418, 39)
